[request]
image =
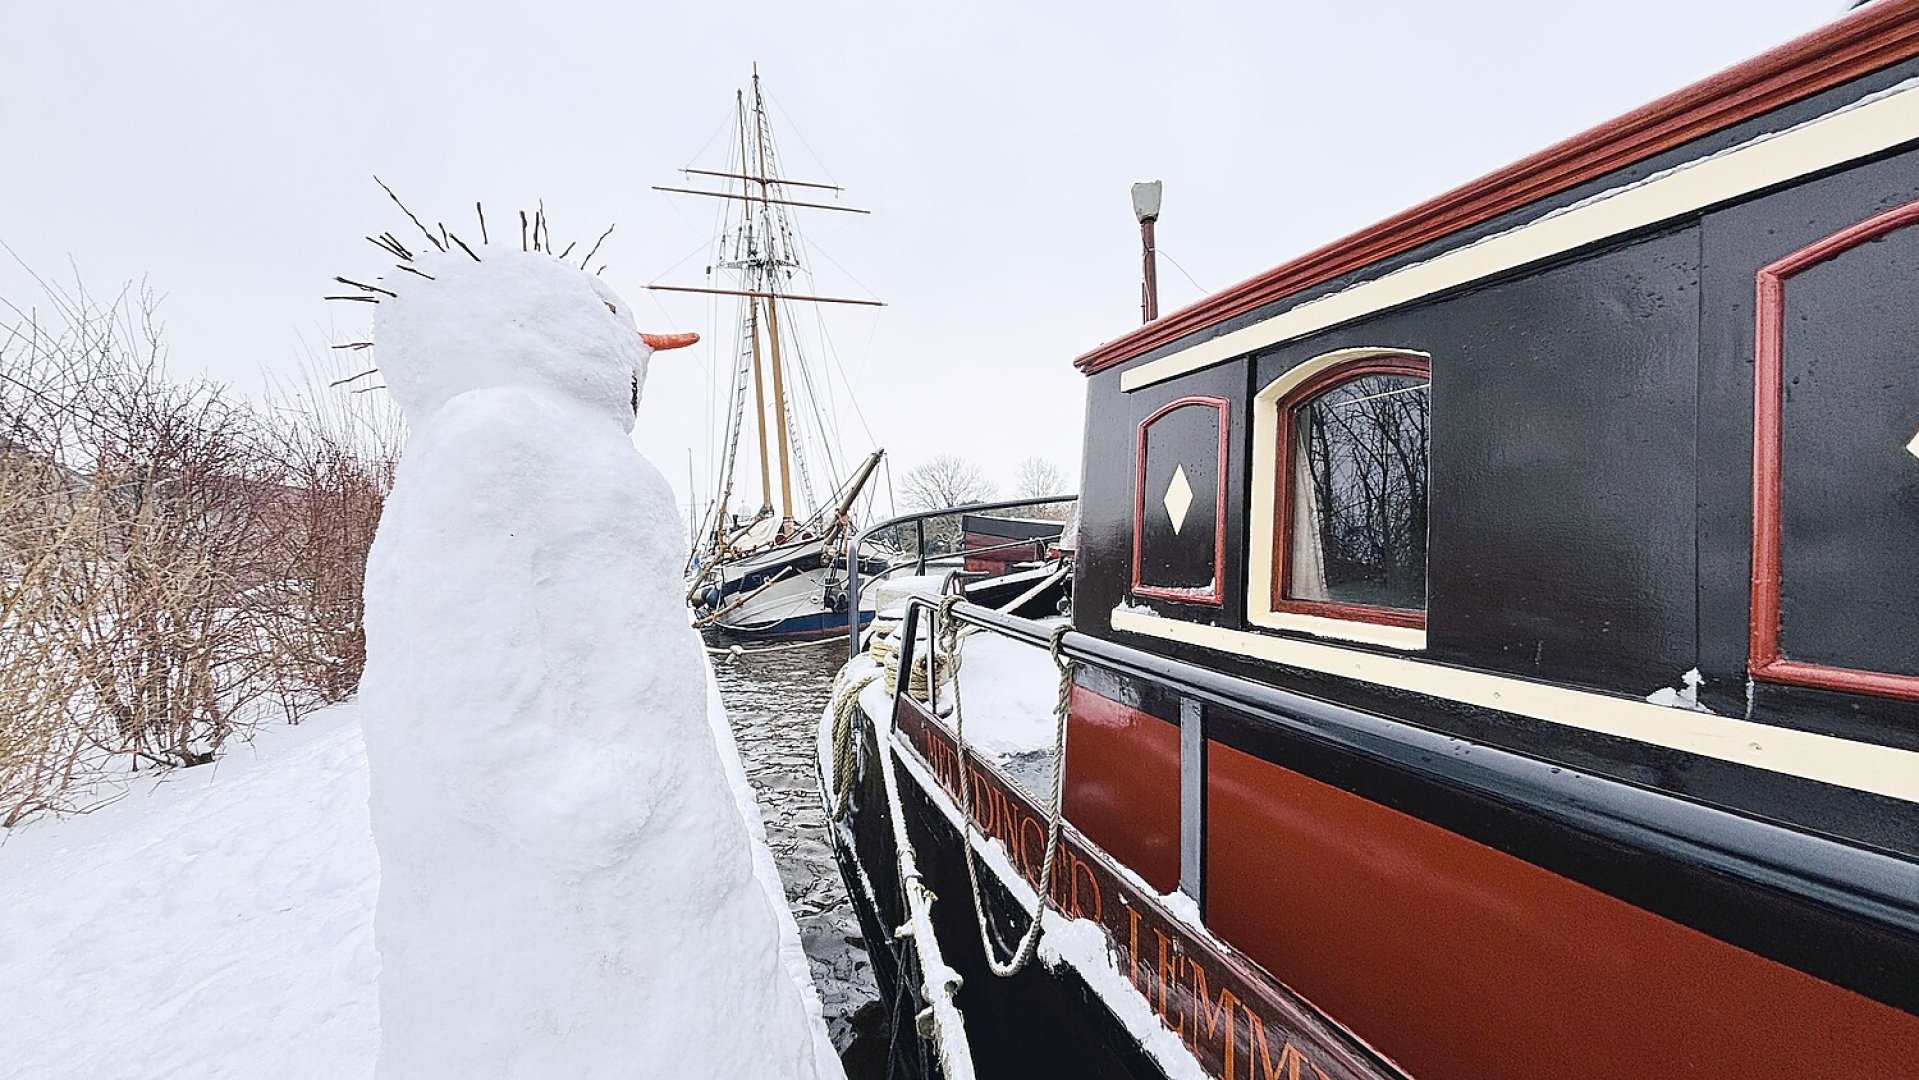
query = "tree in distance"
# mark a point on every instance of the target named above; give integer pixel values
(1036, 477)
(946, 481)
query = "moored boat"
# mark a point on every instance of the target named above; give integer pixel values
(1490, 651)
(780, 570)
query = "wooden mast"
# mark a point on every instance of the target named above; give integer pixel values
(773, 318)
(760, 260)
(753, 318)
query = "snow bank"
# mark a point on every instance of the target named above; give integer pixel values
(568, 886)
(216, 924)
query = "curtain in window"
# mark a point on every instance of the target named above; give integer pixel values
(1308, 563)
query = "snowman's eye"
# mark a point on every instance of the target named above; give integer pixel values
(610, 307)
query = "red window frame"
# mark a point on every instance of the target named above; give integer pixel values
(1406, 364)
(1217, 596)
(1765, 661)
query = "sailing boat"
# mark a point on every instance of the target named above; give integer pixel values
(772, 569)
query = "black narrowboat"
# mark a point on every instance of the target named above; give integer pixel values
(1494, 648)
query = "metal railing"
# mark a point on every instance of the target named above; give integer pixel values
(1876, 891)
(921, 556)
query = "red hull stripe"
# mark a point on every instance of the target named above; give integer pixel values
(1237, 1021)
(1459, 960)
(1122, 790)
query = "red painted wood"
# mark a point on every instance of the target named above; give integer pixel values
(1215, 597)
(1459, 961)
(1764, 659)
(1873, 37)
(1378, 364)
(1235, 1019)
(1122, 785)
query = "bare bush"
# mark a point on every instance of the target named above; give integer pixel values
(337, 448)
(171, 561)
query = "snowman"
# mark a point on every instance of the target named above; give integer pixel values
(567, 886)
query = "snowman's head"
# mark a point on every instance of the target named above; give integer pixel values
(512, 318)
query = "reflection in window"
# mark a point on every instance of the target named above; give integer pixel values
(1358, 490)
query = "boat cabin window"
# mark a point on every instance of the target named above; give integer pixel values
(1346, 436)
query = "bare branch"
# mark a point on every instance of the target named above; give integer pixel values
(368, 288)
(596, 247)
(424, 231)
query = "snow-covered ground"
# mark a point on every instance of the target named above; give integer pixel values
(217, 923)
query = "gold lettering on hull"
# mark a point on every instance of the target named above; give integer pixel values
(1249, 1028)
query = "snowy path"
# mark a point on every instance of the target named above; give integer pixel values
(219, 924)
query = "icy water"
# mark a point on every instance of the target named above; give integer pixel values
(774, 700)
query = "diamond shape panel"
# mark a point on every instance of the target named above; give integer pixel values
(1179, 498)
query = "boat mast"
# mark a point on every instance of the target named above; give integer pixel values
(765, 252)
(762, 170)
(752, 310)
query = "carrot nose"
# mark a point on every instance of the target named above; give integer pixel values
(662, 342)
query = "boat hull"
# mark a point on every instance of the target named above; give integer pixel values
(1091, 1005)
(1456, 912)
(792, 608)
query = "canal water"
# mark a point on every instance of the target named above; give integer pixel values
(774, 699)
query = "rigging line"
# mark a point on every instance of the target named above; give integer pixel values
(795, 129)
(671, 322)
(702, 246)
(688, 222)
(821, 252)
(1203, 290)
(835, 452)
(828, 445)
(866, 354)
(725, 122)
(852, 398)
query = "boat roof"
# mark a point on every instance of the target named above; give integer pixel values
(1865, 40)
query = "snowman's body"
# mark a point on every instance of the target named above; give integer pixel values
(567, 889)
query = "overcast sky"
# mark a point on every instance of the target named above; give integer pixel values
(222, 151)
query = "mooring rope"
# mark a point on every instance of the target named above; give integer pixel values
(940, 1021)
(949, 636)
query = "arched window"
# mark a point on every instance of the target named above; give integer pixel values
(1344, 441)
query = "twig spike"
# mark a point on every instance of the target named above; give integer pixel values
(481, 211)
(596, 247)
(469, 251)
(381, 243)
(368, 288)
(353, 378)
(396, 201)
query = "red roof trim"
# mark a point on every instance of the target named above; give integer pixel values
(1864, 41)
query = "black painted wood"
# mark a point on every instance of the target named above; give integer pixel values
(1591, 513)
(1180, 554)
(1736, 242)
